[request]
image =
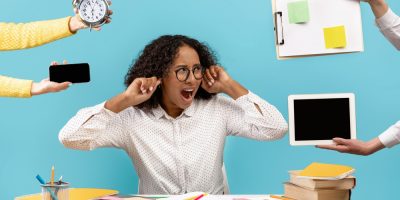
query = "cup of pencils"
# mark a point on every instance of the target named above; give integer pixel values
(56, 191)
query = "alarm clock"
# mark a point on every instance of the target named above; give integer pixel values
(93, 13)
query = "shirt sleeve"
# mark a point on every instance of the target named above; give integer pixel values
(389, 25)
(12, 87)
(391, 136)
(245, 120)
(92, 128)
(27, 35)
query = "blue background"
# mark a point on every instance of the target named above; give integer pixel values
(241, 32)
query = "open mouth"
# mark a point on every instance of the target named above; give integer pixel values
(187, 94)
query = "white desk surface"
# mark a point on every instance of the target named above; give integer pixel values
(222, 197)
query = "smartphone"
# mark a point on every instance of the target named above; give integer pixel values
(74, 73)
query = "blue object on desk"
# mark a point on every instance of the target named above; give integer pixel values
(40, 179)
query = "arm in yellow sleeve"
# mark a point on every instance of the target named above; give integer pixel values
(27, 35)
(11, 87)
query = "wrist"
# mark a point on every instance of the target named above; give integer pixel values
(234, 89)
(376, 3)
(128, 99)
(35, 89)
(116, 104)
(373, 146)
(379, 7)
(75, 24)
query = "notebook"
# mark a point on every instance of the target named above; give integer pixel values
(326, 171)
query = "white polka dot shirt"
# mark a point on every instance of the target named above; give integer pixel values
(176, 155)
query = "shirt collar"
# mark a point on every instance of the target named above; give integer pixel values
(160, 112)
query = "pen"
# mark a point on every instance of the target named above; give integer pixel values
(200, 196)
(59, 184)
(40, 179)
(279, 197)
(52, 176)
(196, 197)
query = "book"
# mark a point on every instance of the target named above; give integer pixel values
(301, 193)
(326, 171)
(348, 182)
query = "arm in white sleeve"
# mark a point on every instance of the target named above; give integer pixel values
(92, 128)
(245, 120)
(391, 136)
(389, 25)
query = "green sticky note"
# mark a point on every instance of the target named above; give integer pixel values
(335, 37)
(298, 12)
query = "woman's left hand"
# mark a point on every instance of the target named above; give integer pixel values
(215, 79)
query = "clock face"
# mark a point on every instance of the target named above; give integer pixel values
(92, 11)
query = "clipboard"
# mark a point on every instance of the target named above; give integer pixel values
(307, 39)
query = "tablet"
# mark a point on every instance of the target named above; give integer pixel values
(317, 118)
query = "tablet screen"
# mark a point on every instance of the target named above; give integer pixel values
(322, 119)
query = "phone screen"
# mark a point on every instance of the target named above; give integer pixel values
(74, 73)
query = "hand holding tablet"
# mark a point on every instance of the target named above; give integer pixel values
(315, 119)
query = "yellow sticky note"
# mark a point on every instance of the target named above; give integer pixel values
(335, 37)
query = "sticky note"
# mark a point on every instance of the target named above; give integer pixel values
(298, 12)
(335, 37)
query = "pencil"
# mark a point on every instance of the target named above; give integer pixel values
(279, 197)
(52, 176)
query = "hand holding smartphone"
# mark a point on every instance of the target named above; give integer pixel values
(74, 73)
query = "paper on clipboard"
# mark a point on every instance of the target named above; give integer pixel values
(307, 39)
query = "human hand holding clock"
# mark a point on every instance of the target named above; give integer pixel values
(90, 13)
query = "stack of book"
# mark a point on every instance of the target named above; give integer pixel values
(320, 181)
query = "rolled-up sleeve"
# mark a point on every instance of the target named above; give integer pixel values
(391, 136)
(92, 128)
(245, 120)
(389, 25)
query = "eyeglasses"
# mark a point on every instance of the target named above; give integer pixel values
(182, 74)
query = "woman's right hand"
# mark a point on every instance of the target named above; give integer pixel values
(140, 90)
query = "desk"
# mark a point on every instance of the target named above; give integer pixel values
(90, 193)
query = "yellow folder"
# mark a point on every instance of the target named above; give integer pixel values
(326, 171)
(76, 194)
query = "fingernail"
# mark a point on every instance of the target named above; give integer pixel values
(151, 89)
(212, 81)
(209, 83)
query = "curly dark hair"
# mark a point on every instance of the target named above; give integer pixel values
(157, 58)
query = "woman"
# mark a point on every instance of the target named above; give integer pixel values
(170, 120)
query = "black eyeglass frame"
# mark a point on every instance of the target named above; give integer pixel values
(203, 69)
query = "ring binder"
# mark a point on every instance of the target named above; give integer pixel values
(276, 29)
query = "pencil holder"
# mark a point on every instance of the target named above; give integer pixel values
(59, 190)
